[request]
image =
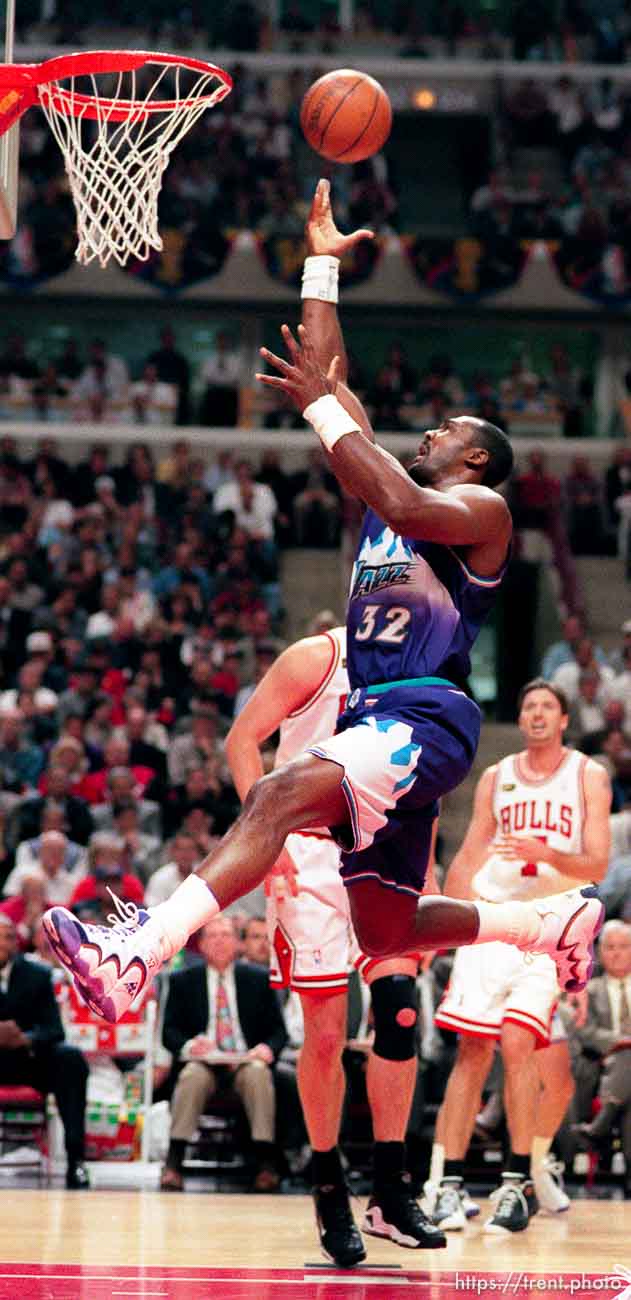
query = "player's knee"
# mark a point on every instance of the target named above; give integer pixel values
(395, 1012)
(278, 800)
(373, 937)
(518, 1043)
(325, 1046)
(475, 1054)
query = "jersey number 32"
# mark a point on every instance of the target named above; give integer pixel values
(380, 623)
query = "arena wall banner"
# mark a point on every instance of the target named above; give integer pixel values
(467, 267)
(283, 257)
(400, 270)
(598, 269)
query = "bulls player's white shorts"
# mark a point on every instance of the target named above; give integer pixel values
(311, 937)
(492, 983)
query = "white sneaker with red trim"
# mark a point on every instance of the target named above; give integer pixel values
(570, 924)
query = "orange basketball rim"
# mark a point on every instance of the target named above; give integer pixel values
(117, 116)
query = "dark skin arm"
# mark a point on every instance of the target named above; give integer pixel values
(320, 319)
(464, 514)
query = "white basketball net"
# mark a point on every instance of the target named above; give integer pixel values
(115, 168)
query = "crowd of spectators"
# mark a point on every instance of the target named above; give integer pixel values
(139, 604)
(136, 616)
(583, 202)
(568, 30)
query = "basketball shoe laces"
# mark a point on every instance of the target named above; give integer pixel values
(125, 919)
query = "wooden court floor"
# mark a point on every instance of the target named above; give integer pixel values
(98, 1245)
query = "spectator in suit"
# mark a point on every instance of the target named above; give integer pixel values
(173, 368)
(14, 628)
(32, 1050)
(223, 1006)
(255, 943)
(605, 1042)
(20, 761)
(121, 787)
(142, 752)
(27, 818)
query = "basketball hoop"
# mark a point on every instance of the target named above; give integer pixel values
(117, 116)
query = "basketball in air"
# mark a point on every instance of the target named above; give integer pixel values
(346, 116)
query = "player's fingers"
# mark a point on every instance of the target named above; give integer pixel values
(273, 381)
(305, 343)
(290, 342)
(279, 363)
(357, 236)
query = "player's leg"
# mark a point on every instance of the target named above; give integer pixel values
(392, 1210)
(321, 1084)
(112, 967)
(321, 1081)
(454, 1127)
(310, 952)
(532, 993)
(565, 926)
(472, 1007)
(556, 1090)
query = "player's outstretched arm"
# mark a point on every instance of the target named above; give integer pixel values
(465, 515)
(291, 681)
(319, 295)
(477, 842)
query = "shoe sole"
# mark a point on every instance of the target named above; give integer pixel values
(63, 934)
(496, 1230)
(453, 1223)
(379, 1228)
(66, 938)
(342, 1263)
(593, 916)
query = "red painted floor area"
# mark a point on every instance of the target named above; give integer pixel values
(70, 1282)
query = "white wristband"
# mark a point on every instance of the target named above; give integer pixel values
(320, 278)
(330, 420)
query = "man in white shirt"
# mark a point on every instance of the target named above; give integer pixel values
(47, 857)
(103, 386)
(220, 375)
(607, 1031)
(184, 858)
(154, 402)
(253, 504)
(568, 676)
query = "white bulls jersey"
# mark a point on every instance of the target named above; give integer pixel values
(552, 810)
(317, 719)
(311, 938)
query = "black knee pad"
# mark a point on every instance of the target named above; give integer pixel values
(395, 1013)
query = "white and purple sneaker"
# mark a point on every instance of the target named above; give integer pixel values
(110, 965)
(570, 925)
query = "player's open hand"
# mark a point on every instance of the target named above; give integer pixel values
(322, 234)
(302, 378)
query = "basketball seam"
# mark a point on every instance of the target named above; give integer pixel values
(362, 132)
(337, 108)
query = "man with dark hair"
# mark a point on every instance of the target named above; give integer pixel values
(540, 684)
(432, 554)
(540, 824)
